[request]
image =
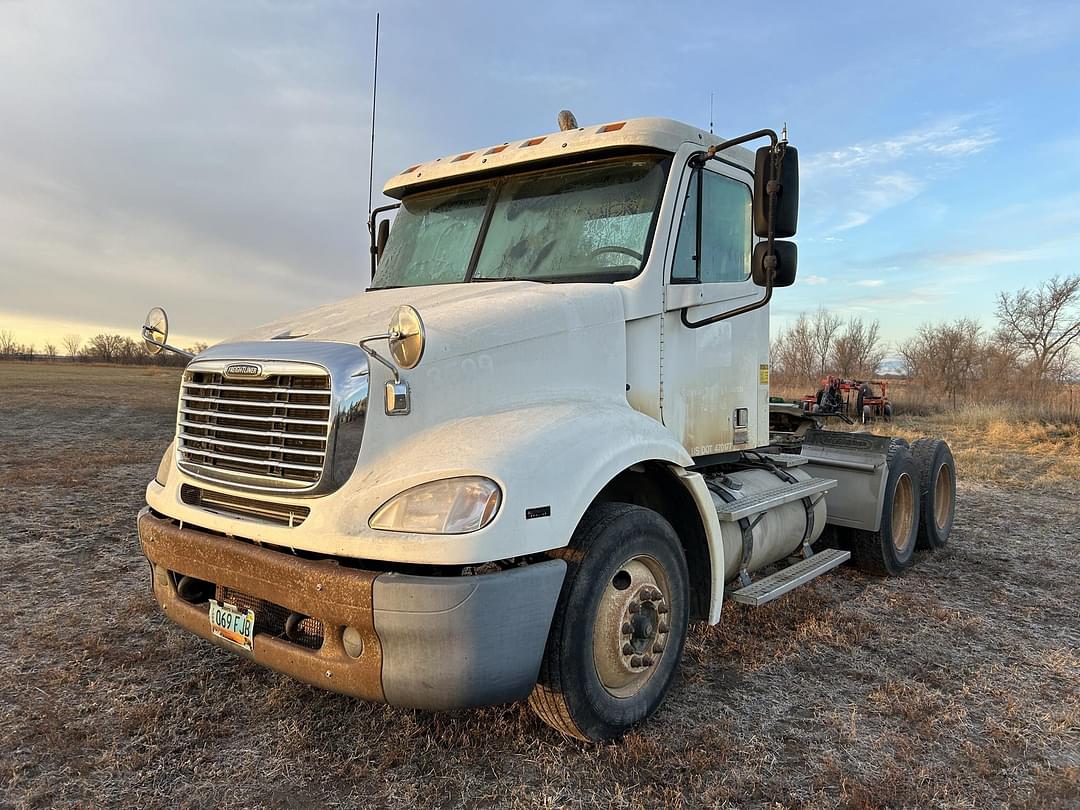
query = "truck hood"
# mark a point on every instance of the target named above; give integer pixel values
(459, 318)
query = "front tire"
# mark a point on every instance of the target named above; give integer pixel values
(619, 627)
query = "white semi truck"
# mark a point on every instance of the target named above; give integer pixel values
(535, 448)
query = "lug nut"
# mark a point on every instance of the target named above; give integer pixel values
(658, 648)
(627, 649)
(635, 661)
(634, 607)
(627, 628)
(663, 628)
(647, 661)
(661, 608)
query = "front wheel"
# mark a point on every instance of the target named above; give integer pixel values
(619, 627)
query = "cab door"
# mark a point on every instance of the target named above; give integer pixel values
(714, 379)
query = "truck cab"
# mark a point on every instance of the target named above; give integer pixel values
(534, 448)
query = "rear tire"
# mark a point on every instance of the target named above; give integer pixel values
(937, 486)
(890, 550)
(619, 626)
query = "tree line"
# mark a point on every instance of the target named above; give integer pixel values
(1033, 343)
(101, 348)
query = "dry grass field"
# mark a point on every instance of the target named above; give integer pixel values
(957, 685)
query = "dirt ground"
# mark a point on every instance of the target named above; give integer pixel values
(957, 685)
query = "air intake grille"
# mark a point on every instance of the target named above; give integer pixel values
(268, 434)
(266, 511)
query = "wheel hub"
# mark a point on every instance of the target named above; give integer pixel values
(632, 624)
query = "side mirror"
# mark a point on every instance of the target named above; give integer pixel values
(786, 213)
(155, 330)
(155, 334)
(380, 240)
(787, 257)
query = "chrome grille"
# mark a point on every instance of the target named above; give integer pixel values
(256, 433)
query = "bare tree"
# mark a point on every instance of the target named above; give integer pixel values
(104, 347)
(858, 351)
(950, 356)
(825, 326)
(793, 351)
(8, 346)
(50, 350)
(72, 343)
(198, 347)
(1043, 323)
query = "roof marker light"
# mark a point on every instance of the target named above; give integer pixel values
(533, 142)
(611, 127)
(464, 156)
(411, 169)
(495, 149)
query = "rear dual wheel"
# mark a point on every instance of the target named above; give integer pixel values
(890, 550)
(937, 477)
(619, 626)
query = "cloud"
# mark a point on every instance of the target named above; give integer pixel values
(813, 281)
(869, 282)
(851, 185)
(948, 139)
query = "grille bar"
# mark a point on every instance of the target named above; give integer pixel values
(257, 403)
(276, 434)
(243, 416)
(244, 446)
(220, 428)
(254, 461)
(248, 388)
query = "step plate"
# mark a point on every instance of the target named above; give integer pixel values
(787, 579)
(771, 498)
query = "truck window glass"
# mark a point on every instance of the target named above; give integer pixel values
(433, 238)
(725, 231)
(584, 222)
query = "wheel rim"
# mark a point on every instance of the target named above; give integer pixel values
(630, 634)
(903, 511)
(943, 496)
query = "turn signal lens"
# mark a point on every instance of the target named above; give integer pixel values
(449, 506)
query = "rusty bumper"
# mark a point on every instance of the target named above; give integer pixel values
(429, 642)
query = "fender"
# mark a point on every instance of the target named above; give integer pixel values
(550, 458)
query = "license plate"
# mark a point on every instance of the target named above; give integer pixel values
(233, 625)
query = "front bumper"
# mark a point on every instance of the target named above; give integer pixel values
(429, 642)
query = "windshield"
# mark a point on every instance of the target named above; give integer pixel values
(581, 223)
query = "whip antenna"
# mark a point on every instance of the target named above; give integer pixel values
(374, 96)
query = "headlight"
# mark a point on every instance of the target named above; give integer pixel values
(450, 506)
(165, 465)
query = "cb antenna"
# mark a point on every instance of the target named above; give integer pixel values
(374, 96)
(711, 96)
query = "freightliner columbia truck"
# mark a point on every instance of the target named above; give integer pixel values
(535, 448)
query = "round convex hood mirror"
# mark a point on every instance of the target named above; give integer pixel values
(407, 338)
(155, 329)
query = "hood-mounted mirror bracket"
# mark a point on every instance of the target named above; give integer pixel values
(398, 397)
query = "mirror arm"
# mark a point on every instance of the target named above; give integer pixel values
(770, 257)
(165, 346)
(375, 355)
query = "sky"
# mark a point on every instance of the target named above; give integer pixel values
(213, 157)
